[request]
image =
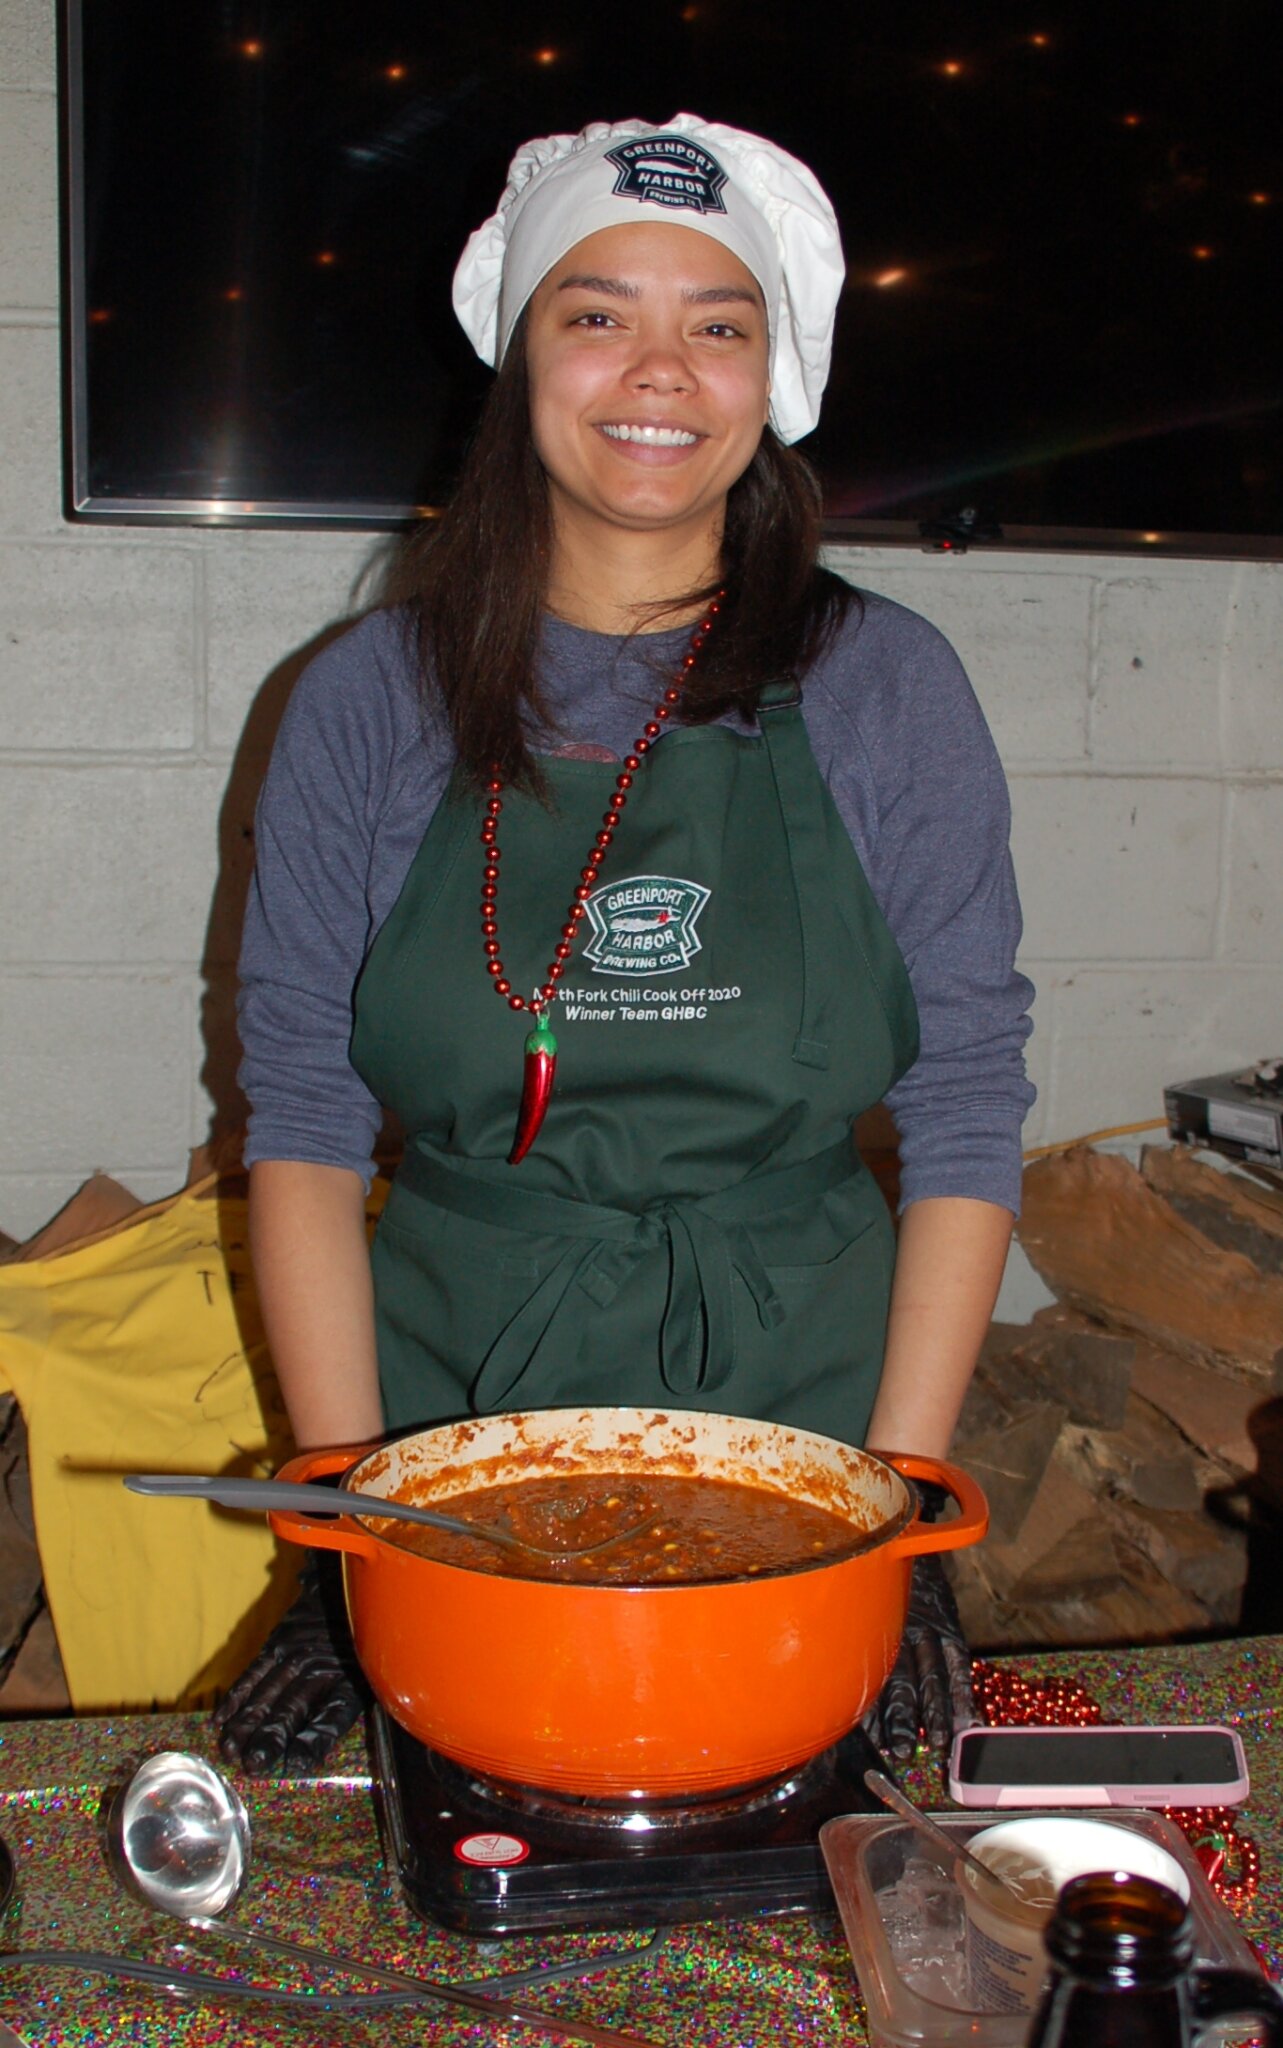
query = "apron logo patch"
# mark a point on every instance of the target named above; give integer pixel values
(668, 170)
(644, 925)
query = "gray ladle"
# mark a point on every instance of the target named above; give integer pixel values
(178, 1837)
(256, 1496)
(942, 1847)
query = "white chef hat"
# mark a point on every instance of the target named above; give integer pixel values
(761, 203)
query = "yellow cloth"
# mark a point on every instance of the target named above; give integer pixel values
(137, 1349)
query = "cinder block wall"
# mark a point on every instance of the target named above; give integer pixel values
(1137, 705)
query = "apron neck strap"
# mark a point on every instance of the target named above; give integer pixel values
(779, 714)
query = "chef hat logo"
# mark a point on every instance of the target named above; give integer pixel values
(668, 170)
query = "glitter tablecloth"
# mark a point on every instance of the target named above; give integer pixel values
(317, 1878)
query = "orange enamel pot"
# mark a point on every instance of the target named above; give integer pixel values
(624, 1691)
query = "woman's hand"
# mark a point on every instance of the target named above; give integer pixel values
(312, 1271)
(948, 1272)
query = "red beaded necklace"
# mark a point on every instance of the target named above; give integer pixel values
(541, 1046)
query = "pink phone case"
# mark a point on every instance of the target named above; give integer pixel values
(1230, 1792)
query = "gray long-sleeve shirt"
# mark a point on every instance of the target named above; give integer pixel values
(358, 770)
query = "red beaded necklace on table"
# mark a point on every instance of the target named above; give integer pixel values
(1229, 1856)
(541, 1047)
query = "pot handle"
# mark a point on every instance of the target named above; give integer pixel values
(922, 1537)
(337, 1533)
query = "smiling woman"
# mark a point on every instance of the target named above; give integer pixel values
(617, 722)
(618, 239)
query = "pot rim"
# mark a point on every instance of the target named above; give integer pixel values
(863, 1544)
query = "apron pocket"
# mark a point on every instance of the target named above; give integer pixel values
(813, 1234)
(445, 1238)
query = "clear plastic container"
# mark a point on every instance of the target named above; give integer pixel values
(866, 1855)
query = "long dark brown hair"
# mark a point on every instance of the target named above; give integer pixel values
(474, 583)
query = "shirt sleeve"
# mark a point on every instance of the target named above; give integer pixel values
(918, 779)
(308, 920)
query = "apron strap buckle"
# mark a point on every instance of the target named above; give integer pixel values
(784, 694)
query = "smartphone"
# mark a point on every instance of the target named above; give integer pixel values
(1100, 1766)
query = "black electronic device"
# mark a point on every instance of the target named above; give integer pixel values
(486, 1858)
(1238, 1114)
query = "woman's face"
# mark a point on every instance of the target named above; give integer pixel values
(647, 349)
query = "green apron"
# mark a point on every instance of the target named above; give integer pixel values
(693, 1227)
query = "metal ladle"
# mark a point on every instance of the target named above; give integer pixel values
(178, 1837)
(178, 1983)
(256, 1496)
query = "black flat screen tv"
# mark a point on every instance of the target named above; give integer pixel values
(1063, 226)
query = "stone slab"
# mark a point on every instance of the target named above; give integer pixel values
(271, 602)
(98, 652)
(30, 425)
(1008, 1460)
(1087, 1372)
(1160, 648)
(1148, 1460)
(109, 865)
(1059, 1505)
(1118, 1035)
(1109, 1245)
(28, 200)
(87, 1059)
(1252, 681)
(1196, 1555)
(27, 46)
(1083, 1564)
(1117, 867)
(1021, 634)
(1142, 1608)
(1253, 925)
(1208, 1407)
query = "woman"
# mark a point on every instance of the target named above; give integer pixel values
(624, 762)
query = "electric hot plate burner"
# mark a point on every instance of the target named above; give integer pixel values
(487, 1858)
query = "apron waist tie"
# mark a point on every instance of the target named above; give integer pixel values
(707, 1242)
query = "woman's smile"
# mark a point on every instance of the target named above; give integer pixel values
(650, 442)
(650, 435)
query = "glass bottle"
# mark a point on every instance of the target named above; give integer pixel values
(1121, 1951)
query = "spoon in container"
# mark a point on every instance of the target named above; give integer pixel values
(257, 1496)
(178, 1838)
(941, 1847)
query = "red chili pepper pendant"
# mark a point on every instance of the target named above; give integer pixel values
(536, 1088)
